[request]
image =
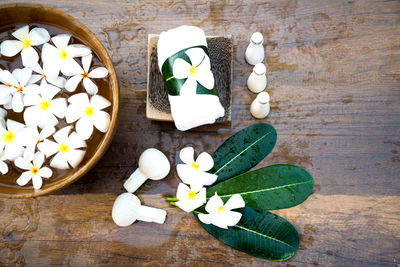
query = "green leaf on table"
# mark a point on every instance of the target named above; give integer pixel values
(258, 233)
(243, 150)
(273, 187)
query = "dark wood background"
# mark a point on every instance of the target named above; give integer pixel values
(334, 80)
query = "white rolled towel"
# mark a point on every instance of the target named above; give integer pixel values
(184, 62)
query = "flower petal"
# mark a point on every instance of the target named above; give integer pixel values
(59, 161)
(14, 125)
(24, 178)
(189, 205)
(75, 157)
(39, 36)
(214, 203)
(46, 132)
(236, 201)
(98, 102)
(204, 178)
(29, 57)
(84, 128)
(90, 86)
(48, 91)
(32, 115)
(206, 218)
(185, 173)
(35, 78)
(13, 151)
(48, 147)
(7, 78)
(51, 67)
(205, 161)
(22, 75)
(45, 172)
(6, 100)
(22, 163)
(182, 191)
(101, 120)
(196, 56)
(187, 155)
(37, 182)
(74, 112)
(58, 107)
(29, 153)
(75, 141)
(81, 99)
(86, 60)
(73, 82)
(61, 40)
(78, 50)
(17, 103)
(181, 69)
(31, 100)
(48, 52)
(189, 88)
(3, 167)
(3, 113)
(59, 81)
(10, 48)
(31, 89)
(206, 78)
(28, 136)
(70, 67)
(61, 136)
(21, 33)
(38, 159)
(100, 72)
(231, 218)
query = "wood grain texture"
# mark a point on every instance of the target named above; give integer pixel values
(334, 80)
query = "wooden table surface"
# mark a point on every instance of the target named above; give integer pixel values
(334, 80)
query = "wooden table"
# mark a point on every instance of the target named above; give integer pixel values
(334, 81)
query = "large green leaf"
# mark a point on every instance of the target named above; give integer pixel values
(273, 187)
(260, 234)
(243, 150)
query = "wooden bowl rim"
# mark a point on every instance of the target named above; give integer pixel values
(107, 138)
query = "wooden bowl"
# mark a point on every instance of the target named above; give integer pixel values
(35, 13)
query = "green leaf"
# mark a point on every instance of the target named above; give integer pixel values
(243, 150)
(273, 187)
(260, 234)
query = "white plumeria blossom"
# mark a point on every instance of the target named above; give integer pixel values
(34, 170)
(85, 74)
(66, 149)
(38, 137)
(3, 165)
(194, 172)
(44, 78)
(190, 199)
(43, 110)
(14, 87)
(13, 138)
(222, 215)
(61, 56)
(25, 41)
(88, 113)
(198, 71)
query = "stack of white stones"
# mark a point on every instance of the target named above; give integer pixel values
(257, 81)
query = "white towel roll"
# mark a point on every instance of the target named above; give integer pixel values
(183, 60)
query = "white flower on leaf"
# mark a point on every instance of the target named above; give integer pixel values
(88, 113)
(190, 199)
(41, 76)
(222, 215)
(3, 165)
(14, 87)
(61, 56)
(194, 172)
(44, 110)
(25, 41)
(12, 139)
(34, 170)
(67, 149)
(199, 70)
(85, 74)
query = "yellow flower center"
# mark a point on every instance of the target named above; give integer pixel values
(8, 137)
(64, 148)
(192, 195)
(221, 209)
(195, 166)
(34, 170)
(85, 75)
(44, 104)
(62, 53)
(193, 71)
(89, 111)
(20, 88)
(27, 43)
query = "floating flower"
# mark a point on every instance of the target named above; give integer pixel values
(11, 139)
(194, 172)
(84, 74)
(88, 113)
(3, 165)
(222, 215)
(60, 56)
(190, 199)
(37, 138)
(34, 170)
(199, 70)
(41, 76)
(44, 110)
(25, 41)
(14, 87)
(67, 149)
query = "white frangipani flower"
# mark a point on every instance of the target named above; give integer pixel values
(44, 110)
(67, 149)
(199, 70)
(190, 199)
(3, 165)
(88, 113)
(14, 87)
(34, 170)
(85, 74)
(37, 138)
(41, 76)
(25, 41)
(12, 139)
(195, 172)
(222, 215)
(61, 56)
